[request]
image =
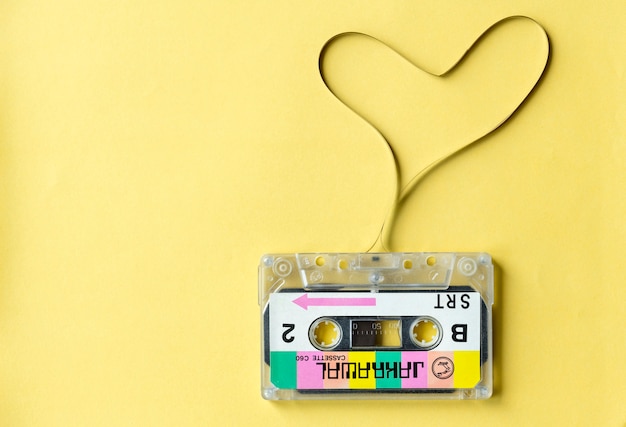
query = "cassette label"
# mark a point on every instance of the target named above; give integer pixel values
(381, 324)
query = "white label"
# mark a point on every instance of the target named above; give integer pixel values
(292, 313)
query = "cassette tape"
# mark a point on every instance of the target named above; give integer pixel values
(376, 325)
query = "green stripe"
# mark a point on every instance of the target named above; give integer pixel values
(284, 371)
(388, 356)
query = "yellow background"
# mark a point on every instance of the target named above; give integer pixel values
(152, 151)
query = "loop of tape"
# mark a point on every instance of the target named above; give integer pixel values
(400, 193)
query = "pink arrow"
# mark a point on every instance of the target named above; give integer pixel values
(305, 302)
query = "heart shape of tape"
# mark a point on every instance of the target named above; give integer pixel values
(449, 110)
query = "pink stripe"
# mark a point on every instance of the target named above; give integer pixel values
(342, 301)
(309, 373)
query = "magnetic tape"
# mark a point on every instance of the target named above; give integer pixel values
(376, 325)
(386, 324)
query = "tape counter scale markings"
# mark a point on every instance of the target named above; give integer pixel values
(368, 325)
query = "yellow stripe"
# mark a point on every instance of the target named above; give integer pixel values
(466, 369)
(361, 358)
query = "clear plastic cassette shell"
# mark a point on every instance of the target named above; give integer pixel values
(409, 325)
